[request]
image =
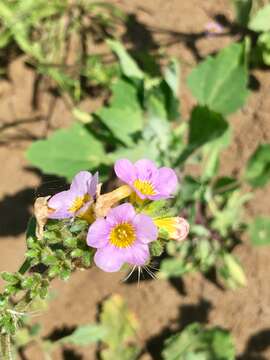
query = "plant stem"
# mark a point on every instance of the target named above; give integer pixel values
(26, 265)
(5, 347)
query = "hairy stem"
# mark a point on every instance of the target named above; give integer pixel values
(5, 348)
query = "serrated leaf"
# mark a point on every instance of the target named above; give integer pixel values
(261, 20)
(85, 335)
(197, 343)
(258, 167)
(259, 231)
(128, 66)
(67, 152)
(204, 126)
(221, 82)
(124, 115)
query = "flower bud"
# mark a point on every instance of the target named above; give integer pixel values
(176, 227)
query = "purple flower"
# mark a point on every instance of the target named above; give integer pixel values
(122, 237)
(75, 201)
(146, 179)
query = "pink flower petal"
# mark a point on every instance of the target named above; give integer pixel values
(81, 182)
(138, 254)
(125, 170)
(120, 214)
(146, 169)
(109, 259)
(182, 229)
(92, 186)
(145, 228)
(61, 203)
(98, 234)
(166, 182)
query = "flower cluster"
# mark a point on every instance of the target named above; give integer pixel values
(121, 233)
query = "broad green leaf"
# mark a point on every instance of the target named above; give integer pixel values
(123, 353)
(221, 82)
(121, 327)
(261, 20)
(197, 343)
(120, 324)
(129, 67)
(84, 335)
(124, 115)
(204, 126)
(67, 152)
(161, 102)
(259, 231)
(258, 167)
(242, 9)
(139, 151)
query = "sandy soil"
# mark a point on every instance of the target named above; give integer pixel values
(161, 307)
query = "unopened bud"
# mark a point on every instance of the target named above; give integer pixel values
(176, 227)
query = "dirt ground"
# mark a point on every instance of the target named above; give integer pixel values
(161, 307)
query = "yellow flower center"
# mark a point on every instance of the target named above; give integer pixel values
(122, 235)
(144, 187)
(79, 202)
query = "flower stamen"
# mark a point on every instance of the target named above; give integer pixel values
(122, 235)
(144, 187)
(79, 202)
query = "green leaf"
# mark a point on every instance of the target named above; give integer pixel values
(221, 82)
(124, 115)
(67, 152)
(263, 47)
(123, 353)
(259, 231)
(10, 277)
(139, 151)
(120, 327)
(120, 324)
(236, 274)
(258, 167)
(172, 76)
(174, 267)
(242, 9)
(261, 20)
(204, 126)
(84, 335)
(128, 66)
(156, 248)
(197, 343)
(225, 184)
(212, 152)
